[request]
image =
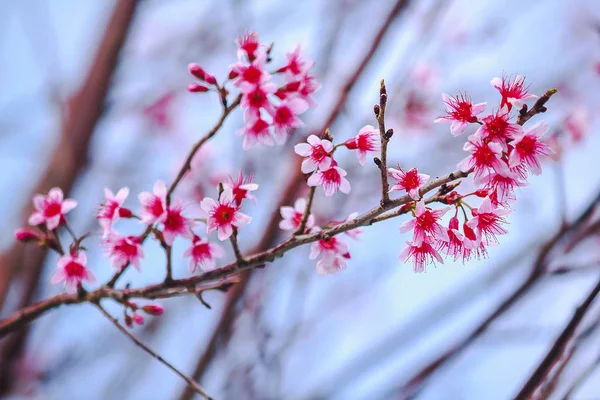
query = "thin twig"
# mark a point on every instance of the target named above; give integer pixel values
(236, 249)
(539, 107)
(168, 251)
(309, 201)
(384, 137)
(148, 350)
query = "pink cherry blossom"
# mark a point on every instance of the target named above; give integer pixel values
(248, 46)
(457, 244)
(296, 65)
(421, 253)
(110, 209)
(51, 209)
(487, 220)
(253, 75)
(514, 93)
(331, 179)
(203, 254)
(223, 215)
(292, 216)
(317, 153)
(71, 269)
(425, 223)
(501, 186)
(330, 263)
(528, 148)
(29, 235)
(154, 205)
(411, 181)
(461, 112)
(255, 131)
(366, 141)
(484, 156)
(285, 117)
(123, 250)
(256, 98)
(332, 246)
(176, 224)
(241, 188)
(497, 128)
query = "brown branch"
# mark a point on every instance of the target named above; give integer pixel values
(384, 137)
(81, 115)
(193, 385)
(309, 201)
(236, 248)
(538, 108)
(557, 350)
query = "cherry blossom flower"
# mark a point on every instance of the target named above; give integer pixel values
(292, 216)
(154, 205)
(257, 98)
(296, 65)
(241, 188)
(71, 269)
(285, 117)
(487, 219)
(497, 128)
(577, 123)
(421, 253)
(331, 179)
(51, 209)
(123, 250)
(353, 233)
(411, 181)
(248, 46)
(223, 215)
(484, 156)
(175, 224)
(332, 246)
(330, 263)
(159, 113)
(111, 209)
(28, 235)
(255, 131)
(426, 223)
(501, 186)
(461, 112)
(251, 76)
(203, 254)
(366, 141)
(513, 93)
(457, 245)
(528, 147)
(317, 152)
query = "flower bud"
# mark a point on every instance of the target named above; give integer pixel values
(195, 88)
(210, 79)
(481, 193)
(376, 109)
(153, 309)
(197, 71)
(27, 235)
(128, 320)
(138, 319)
(232, 75)
(125, 213)
(351, 144)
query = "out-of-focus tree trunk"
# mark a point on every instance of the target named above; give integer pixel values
(80, 117)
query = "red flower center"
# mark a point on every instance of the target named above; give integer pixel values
(319, 153)
(201, 250)
(174, 221)
(410, 180)
(224, 214)
(497, 127)
(332, 176)
(127, 249)
(297, 218)
(260, 127)
(283, 116)
(365, 143)
(52, 209)
(252, 74)
(239, 195)
(527, 145)
(484, 156)
(328, 244)
(257, 98)
(75, 270)
(156, 207)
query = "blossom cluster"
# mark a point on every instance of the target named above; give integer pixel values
(501, 156)
(271, 111)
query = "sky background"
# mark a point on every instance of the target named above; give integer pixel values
(364, 332)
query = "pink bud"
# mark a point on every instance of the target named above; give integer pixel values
(197, 71)
(128, 320)
(210, 79)
(233, 75)
(194, 88)
(125, 213)
(27, 235)
(138, 319)
(481, 193)
(153, 309)
(292, 87)
(351, 144)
